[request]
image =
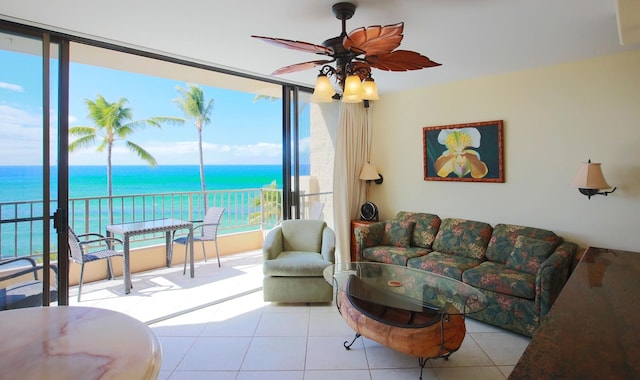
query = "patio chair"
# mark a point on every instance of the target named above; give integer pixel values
(207, 230)
(80, 252)
(23, 288)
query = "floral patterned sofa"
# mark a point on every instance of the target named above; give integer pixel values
(521, 270)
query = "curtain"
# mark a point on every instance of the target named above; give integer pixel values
(352, 149)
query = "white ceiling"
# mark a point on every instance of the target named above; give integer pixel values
(470, 38)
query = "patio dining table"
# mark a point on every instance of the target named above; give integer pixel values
(147, 227)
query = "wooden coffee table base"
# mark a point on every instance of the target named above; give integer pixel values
(426, 335)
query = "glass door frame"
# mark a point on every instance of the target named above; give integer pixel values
(61, 51)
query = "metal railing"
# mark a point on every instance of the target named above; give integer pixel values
(21, 223)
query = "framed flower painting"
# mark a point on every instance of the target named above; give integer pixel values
(471, 152)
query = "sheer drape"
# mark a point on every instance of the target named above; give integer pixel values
(352, 147)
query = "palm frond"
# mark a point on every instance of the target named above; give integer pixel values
(143, 154)
(157, 121)
(82, 142)
(82, 131)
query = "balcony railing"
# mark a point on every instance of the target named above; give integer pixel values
(21, 223)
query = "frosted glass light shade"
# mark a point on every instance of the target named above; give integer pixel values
(370, 89)
(369, 172)
(590, 177)
(323, 91)
(353, 90)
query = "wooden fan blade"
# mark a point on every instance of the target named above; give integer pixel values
(300, 66)
(375, 39)
(400, 60)
(296, 45)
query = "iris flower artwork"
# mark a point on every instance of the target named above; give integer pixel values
(464, 152)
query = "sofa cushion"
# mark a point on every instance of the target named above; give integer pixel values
(393, 255)
(295, 263)
(463, 237)
(528, 254)
(398, 233)
(425, 230)
(500, 279)
(444, 263)
(503, 240)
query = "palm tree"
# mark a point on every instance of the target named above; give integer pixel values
(114, 122)
(193, 105)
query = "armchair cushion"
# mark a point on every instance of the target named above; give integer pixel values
(398, 233)
(296, 264)
(302, 235)
(528, 254)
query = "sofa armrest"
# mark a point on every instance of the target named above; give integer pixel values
(273, 244)
(328, 245)
(552, 275)
(368, 236)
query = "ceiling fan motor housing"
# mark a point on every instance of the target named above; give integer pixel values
(344, 10)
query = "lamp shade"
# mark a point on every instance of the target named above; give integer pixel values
(370, 89)
(353, 90)
(323, 91)
(590, 177)
(369, 172)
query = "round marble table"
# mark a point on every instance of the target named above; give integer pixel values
(69, 342)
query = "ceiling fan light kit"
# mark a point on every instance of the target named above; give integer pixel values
(354, 55)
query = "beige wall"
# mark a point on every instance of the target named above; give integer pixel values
(554, 117)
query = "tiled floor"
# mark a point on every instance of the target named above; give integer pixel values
(207, 333)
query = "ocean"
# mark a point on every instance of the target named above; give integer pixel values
(24, 183)
(21, 183)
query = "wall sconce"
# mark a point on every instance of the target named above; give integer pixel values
(590, 180)
(370, 173)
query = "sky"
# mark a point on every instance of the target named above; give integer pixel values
(242, 130)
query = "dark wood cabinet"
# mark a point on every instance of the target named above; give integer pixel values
(591, 331)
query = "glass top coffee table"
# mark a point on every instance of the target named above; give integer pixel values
(409, 310)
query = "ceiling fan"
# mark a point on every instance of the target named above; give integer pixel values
(354, 54)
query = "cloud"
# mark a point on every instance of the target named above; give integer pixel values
(15, 117)
(185, 153)
(12, 87)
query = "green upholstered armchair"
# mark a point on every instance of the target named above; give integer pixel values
(295, 254)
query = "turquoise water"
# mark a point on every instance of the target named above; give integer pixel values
(20, 183)
(24, 183)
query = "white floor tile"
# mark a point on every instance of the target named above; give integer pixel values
(380, 357)
(503, 348)
(326, 353)
(270, 375)
(291, 323)
(173, 350)
(470, 373)
(337, 375)
(469, 354)
(215, 354)
(244, 338)
(329, 323)
(203, 375)
(403, 374)
(276, 353)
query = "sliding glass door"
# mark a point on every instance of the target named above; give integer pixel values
(33, 185)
